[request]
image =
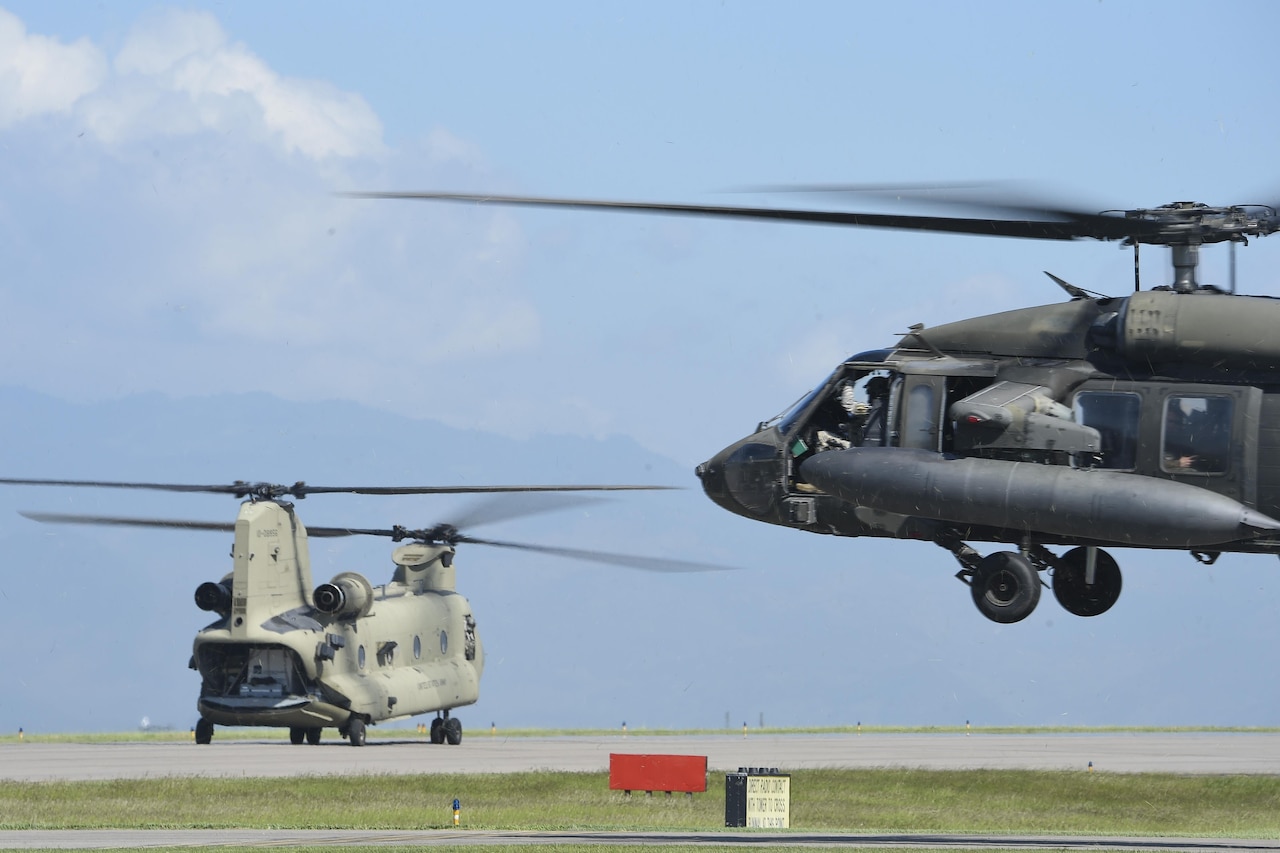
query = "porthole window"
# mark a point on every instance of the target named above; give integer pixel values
(417, 647)
(444, 642)
(360, 656)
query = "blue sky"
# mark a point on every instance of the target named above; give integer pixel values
(167, 222)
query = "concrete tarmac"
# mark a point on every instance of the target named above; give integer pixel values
(1204, 753)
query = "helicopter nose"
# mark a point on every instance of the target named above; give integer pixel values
(744, 477)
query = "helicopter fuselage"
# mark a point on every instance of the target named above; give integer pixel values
(282, 654)
(1148, 421)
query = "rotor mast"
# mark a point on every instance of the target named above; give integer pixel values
(1185, 226)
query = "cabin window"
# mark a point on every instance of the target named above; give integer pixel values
(1114, 414)
(444, 642)
(360, 656)
(417, 646)
(1196, 435)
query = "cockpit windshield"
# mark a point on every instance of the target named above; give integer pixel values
(854, 367)
(787, 419)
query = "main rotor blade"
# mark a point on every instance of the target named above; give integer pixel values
(652, 564)
(477, 490)
(990, 196)
(268, 491)
(118, 521)
(1074, 227)
(497, 508)
(107, 484)
(649, 564)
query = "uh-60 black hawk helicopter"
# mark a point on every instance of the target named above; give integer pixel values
(345, 654)
(1150, 420)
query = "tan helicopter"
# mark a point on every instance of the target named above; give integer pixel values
(1150, 420)
(346, 653)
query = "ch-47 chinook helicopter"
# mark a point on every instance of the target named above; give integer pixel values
(346, 653)
(1150, 420)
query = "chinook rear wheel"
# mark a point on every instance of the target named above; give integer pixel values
(296, 735)
(355, 731)
(1086, 599)
(204, 731)
(1005, 587)
(453, 731)
(313, 736)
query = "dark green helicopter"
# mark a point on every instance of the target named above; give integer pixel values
(1150, 420)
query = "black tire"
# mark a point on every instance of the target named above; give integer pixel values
(437, 730)
(1079, 598)
(355, 731)
(453, 731)
(296, 735)
(204, 731)
(1005, 587)
(313, 736)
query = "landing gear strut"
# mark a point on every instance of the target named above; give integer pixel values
(1083, 589)
(1006, 585)
(446, 729)
(204, 731)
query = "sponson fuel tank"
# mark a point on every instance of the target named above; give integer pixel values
(1092, 505)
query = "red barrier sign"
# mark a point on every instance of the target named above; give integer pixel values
(686, 773)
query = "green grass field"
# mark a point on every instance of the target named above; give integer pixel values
(860, 801)
(891, 801)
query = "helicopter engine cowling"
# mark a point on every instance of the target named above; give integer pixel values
(214, 597)
(1203, 328)
(348, 594)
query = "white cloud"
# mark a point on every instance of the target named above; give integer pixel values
(40, 75)
(177, 74)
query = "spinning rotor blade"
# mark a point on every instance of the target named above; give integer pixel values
(271, 491)
(489, 510)
(1071, 225)
(117, 521)
(497, 508)
(441, 533)
(1177, 224)
(447, 535)
(994, 197)
(648, 564)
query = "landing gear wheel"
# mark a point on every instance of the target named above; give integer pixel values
(296, 735)
(1005, 587)
(437, 730)
(453, 730)
(204, 731)
(1074, 594)
(355, 731)
(313, 736)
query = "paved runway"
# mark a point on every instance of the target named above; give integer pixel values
(484, 753)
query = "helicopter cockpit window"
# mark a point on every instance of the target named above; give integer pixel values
(1114, 414)
(1196, 437)
(789, 419)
